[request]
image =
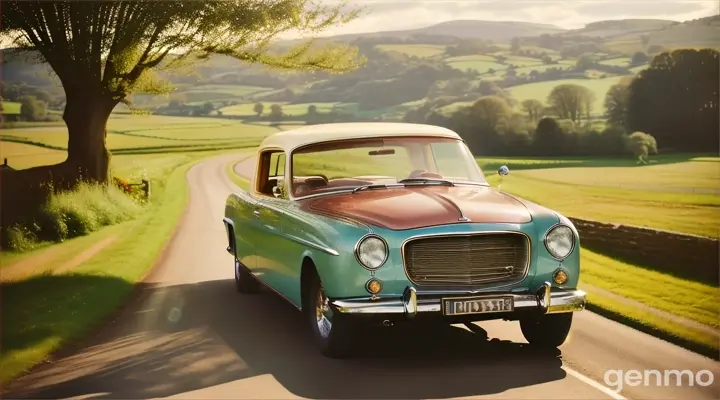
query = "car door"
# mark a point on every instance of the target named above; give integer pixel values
(240, 210)
(268, 215)
(270, 246)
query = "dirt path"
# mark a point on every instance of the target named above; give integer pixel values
(49, 261)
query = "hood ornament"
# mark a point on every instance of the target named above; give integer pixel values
(464, 219)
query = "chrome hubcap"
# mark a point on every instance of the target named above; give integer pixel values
(323, 314)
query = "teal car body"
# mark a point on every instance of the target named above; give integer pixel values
(285, 241)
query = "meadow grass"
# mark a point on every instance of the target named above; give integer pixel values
(692, 300)
(10, 108)
(702, 342)
(417, 50)
(74, 213)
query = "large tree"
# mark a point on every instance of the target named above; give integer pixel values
(102, 51)
(616, 100)
(533, 108)
(571, 101)
(676, 100)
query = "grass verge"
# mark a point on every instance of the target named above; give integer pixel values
(70, 214)
(64, 307)
(693, 340)
(691, 300)
(659, 291)
(240, 181)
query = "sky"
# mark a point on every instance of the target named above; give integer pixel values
(385, 15)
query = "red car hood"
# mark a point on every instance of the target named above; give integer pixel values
(417, 207)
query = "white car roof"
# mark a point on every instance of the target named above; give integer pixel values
(294, 138)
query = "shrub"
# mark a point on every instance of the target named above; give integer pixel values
(641, 145)
(20, 238)
(74, 213)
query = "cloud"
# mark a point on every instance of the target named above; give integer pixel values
(570, 14)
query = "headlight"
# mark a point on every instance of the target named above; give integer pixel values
(371, 252)
(559, 241)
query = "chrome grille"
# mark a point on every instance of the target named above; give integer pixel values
(467, 260)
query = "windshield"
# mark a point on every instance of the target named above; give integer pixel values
(351, 164)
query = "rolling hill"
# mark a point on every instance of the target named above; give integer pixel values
(227, 82)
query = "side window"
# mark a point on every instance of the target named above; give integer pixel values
(277, 164)
(271, 172)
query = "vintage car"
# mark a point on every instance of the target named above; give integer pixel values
(360, 223)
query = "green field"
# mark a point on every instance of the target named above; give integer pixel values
(541, 90)
(480, 63)
(523, 61)
(639, 68)
(234, 90)
(199, 94)
(676, 193)
(416, 50)
(133, 135)
(288, 109)
(617, 62)
(10, 107)
(539, 68)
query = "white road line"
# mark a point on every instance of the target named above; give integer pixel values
(595, 384)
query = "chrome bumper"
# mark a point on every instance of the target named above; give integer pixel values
(546, 300)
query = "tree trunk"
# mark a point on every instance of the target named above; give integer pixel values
(86, 119)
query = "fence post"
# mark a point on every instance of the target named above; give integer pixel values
(146, 188)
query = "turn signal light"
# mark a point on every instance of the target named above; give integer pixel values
(373, 286)
(560, 277)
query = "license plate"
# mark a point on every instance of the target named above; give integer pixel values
(477, 305)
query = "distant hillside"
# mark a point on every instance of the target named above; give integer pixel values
(470, 29)
(611, 28)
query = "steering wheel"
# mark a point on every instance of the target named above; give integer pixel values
(421, 173)
(316, 181)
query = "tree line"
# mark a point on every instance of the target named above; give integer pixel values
(673, 104)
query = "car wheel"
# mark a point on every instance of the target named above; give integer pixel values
(331, 333)
(548, 330)
(244, 282)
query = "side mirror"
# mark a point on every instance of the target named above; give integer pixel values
(504, 170)
(277, 192)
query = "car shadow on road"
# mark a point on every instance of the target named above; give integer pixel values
(189, 337)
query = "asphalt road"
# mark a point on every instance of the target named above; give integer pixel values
(191, 335)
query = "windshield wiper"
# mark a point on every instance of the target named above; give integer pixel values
(426, 181)
(405, 182)
(363, 187)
